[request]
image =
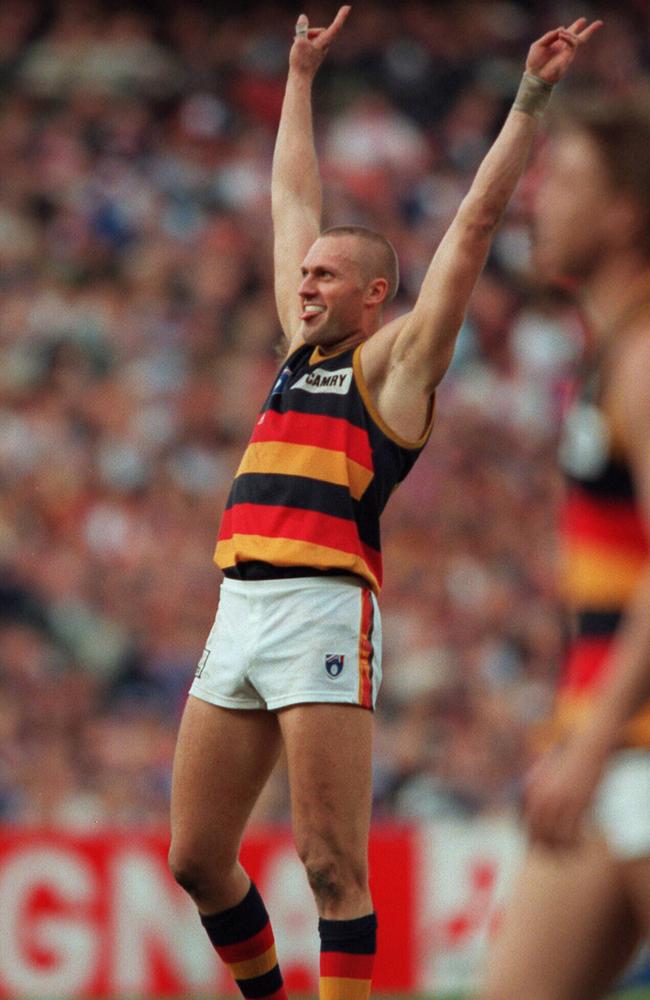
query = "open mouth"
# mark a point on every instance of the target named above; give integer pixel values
(310, 311)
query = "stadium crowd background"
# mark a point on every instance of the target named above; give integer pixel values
(138, 337)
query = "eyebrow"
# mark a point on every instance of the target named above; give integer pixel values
(319, 268)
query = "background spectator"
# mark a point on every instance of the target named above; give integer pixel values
(138, 337)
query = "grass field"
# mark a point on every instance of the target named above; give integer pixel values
(642, 993)
(638, 994)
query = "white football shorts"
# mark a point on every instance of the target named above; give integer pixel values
(622, 806)
(284, 642)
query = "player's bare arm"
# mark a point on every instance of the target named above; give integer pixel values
(296, 194)
(562, 786)
(404, 362)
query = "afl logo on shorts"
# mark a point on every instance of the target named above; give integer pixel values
(334, 664)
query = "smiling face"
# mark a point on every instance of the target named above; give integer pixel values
(337, 301)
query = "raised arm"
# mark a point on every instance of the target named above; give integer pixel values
(295, 184)
(422, 350)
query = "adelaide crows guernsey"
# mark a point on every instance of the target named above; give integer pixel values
(605, 551)
(315, 477)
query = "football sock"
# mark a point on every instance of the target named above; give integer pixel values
(347, 955)
(243, 938)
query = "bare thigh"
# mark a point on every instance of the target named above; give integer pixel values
(222, 761)
(569, 928)
(329, 752)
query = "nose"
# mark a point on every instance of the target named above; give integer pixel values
(307, 286)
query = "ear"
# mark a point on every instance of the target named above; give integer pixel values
(376, 292)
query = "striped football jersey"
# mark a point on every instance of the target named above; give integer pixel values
(316, 475)
(605, 549)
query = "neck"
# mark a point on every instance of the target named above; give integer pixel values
(341, 345)
(363, 332)
(620, 282)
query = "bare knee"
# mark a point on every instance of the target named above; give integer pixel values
(207, 878)
(336, 876)
(326, 881)
(189, 871)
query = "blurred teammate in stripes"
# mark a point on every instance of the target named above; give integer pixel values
(293, 658)
(582, 903)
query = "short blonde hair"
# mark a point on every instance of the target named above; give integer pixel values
(379, 259)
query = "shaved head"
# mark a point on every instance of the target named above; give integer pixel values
(377, 256)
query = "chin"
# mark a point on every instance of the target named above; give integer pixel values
(309, 335)
(319, 336)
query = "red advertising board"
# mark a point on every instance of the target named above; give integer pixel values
(99, 916)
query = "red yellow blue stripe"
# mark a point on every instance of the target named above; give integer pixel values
(310, 461)
(343, 988)
(315, 429)
(250, 968)
(287, 536)
(599, 576)
(604, 522)
(343, 965)
(585, 668)
(365, 649)
(253, 946)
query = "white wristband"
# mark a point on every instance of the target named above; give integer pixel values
(533, 95)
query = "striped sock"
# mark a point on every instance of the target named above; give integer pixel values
(347, 955)
(243, 938)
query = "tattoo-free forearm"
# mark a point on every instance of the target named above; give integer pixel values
(429, 335)
(627, 683)
(499, 173)
(295, 166)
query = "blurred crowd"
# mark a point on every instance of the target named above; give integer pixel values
(138, 337)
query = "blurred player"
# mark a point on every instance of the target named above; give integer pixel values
(293, 659)
(583, 899)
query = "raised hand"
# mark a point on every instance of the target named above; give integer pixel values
(311, 44)
(551, 55)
